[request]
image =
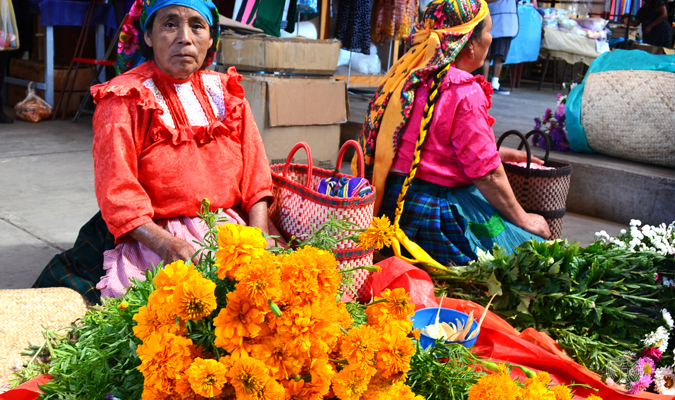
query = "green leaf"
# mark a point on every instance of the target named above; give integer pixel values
(494, 286)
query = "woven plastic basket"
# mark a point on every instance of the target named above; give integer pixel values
(298, 209)
(631, 115)
(540, 191)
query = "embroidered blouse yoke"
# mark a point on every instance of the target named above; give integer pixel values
(161, 145)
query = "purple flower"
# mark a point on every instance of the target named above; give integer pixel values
(652, 352)
(646, 366)
(109, 396)
(547, 114)
(537, 123)
(560, 112)
(641, 385)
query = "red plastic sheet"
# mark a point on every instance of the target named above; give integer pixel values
(27, 390)
(499, 340)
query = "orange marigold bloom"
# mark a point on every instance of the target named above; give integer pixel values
(194, 298)
(360, 346)
(249, 376)
(536, 391)
(397, 309)
(352, 382)
(401, 391)
(157, 318)
(272, 351)
(497, 386)
(169, 277)
(322, 373)
(237, 320)
(237, 245)
(207, 377)
(311, 273)
(260, 281)
(298, 390)
(300, 328)
(542, 377)
(562, 392)
(378, 235)
(393, 358)
(164, 359)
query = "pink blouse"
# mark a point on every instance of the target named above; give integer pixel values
(460, 145)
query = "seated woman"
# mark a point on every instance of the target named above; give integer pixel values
(167, 134)
(459, 198)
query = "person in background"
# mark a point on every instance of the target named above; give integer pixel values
(656, 29)
(504, 15)
(459, 200)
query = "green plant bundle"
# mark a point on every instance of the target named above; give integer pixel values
(598, 302)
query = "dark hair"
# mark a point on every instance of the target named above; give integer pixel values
(147, 52)
(477, 33)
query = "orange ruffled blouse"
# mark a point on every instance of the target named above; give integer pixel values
(161, 145)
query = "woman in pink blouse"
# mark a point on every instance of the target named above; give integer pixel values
(460, 199)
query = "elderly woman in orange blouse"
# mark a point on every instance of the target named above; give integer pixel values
(167, 134)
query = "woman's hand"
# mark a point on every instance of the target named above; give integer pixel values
(536, 224)
(513, 155)
(162, 242)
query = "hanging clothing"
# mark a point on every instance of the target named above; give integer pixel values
(269, 16)
(352, 27)
(393, 19)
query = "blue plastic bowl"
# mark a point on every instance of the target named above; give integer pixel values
(427, 316)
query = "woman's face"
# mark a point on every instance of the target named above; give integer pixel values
(179, 38)
(477, 48)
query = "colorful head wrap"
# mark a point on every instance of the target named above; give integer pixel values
(128, 49)
(435, 43)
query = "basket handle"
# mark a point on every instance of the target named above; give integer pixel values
(309, 161)
(359, 152)
(546, 137)
(523, 141)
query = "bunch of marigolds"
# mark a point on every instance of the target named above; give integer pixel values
(282, 334)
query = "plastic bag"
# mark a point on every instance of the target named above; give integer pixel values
(592, 24)
(33, 108)
(9, 31)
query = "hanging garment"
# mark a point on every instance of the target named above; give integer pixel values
(393, 19)
(353, 25)
(269, 16)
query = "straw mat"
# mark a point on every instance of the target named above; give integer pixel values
(631, 115)
(24, 313)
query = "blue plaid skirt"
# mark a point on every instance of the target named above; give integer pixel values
(450, 223)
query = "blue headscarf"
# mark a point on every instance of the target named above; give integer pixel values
(128, 49)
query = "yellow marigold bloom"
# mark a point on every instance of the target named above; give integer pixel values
(237, 245)
(536, 391)
(194, 298)
(379, 388)
(397, 309)
(249, 376)
(207, 377)
(164, 359)
(497, 386)
(593, 397)
(260, 281)
(237, 320)
(157, 318)
(378, 235)
(352, 382)
(169, 277)
(401, 391)
(562, 392)
(416, 333)
(123, 305)
(360, 346)
(393, 358)
(542, 377)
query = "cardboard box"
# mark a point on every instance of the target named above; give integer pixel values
(268, 53)
(619, 31)
(16, 94)
(35, 71)
(658, 50)
(288, 111)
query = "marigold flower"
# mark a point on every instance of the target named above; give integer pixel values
(360, 346)
(249, 376)
(168, 278)
(352, 382)
(164, 359)
(401, 391)
(393, 358)
(157, 318)
(260, 281)
(207, 377)
(301, 326)
(237, 320)
(593, 397)
(311, 273)
(562, 392)
(299, 390)
(542, 378)
(237, 245)
(194, 298)
(397, 309)
(536, 391)
(497, 386)
(378, 235)
(322, 373)
(273, 353)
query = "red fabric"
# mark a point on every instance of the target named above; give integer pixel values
(28, 390)
(500, 341)
(145, 169)
(460, 145)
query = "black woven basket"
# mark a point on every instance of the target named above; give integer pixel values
(540, 191)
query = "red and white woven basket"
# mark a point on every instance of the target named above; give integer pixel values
(298, 210)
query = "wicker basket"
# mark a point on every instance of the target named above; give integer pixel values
(631, 115)
(540, 191)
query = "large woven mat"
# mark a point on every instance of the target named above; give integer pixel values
(24, 314)
(631, 115)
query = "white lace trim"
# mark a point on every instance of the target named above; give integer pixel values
(191, 105)
(166, 117)
(214, 89)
